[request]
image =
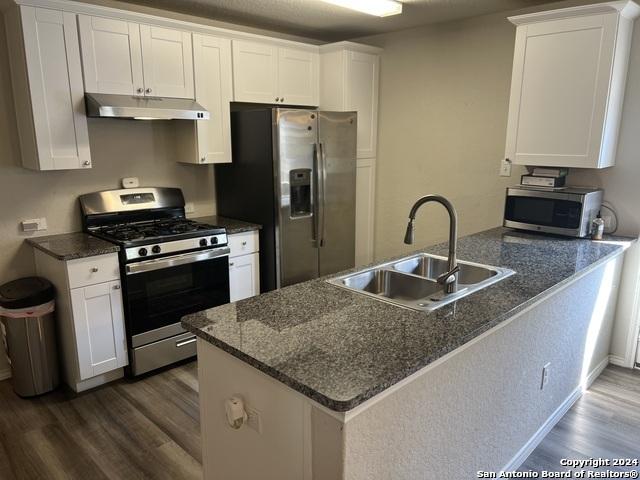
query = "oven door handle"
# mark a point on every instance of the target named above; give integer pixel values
(176, 260)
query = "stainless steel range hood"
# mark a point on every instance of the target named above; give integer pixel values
(143, 108)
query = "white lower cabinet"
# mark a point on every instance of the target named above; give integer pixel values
(89, 316)
(244, 276)
(244, 265)
(99, 327)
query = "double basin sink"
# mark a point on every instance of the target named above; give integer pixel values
(411, 281)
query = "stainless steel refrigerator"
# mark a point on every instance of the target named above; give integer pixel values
(293, 172)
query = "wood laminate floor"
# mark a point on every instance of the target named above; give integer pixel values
(150, 429)
(147, 428)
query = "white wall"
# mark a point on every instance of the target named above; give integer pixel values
(444, 97)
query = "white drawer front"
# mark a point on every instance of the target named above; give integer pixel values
(243, 243)
(93, 270)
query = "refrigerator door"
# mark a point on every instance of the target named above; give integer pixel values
(295, 136)
(337, 192)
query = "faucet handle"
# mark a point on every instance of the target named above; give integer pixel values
(448, 277)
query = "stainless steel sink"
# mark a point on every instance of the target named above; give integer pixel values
(411, 282)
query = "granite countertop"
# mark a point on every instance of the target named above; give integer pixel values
(232, 225)
(341, 348)
(69, 246)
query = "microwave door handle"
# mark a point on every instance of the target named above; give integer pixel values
(175, 260)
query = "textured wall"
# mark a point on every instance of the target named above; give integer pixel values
(444, 97)
(477, 409)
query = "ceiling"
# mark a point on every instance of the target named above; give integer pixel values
(322, 21)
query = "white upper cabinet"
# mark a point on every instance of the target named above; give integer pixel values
(126, 58)
(567, 87)
(167, 61)
(349, 82)
(48, 91)
(255, 72)
(265, 73)
(298, 76)
(209, 141)
(111, 56)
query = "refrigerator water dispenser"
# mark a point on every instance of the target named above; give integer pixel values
(300, 186)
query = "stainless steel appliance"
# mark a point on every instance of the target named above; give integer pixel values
(293, 172)
(143, 108)
(564, 211)
(170, 267)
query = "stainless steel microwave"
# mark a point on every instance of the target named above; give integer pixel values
(567, 211)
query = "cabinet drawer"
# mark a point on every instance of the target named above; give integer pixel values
(243, 243)
(92, 270)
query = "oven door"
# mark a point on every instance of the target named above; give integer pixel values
(159, 292)
(550, 212)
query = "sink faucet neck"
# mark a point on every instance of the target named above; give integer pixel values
(449, 278)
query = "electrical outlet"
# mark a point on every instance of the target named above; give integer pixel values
(608, 222)
(189, 207)
(505, 167)
(545, 376)
(254, 419)
(34, 224)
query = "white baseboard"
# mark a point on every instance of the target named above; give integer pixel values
(619, 361)
(555, 417)
(5, 373)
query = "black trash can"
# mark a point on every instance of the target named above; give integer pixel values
(27, 321)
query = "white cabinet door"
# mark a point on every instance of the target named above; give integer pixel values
(365, 208)
(214, 91)
(244, 276)
(111, 56)
(167, 61)
(298, 77)
(559, 91)
(57, 117)
(99, 328)
(255, 72)
(361, 95)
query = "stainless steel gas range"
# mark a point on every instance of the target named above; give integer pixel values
(170, 266)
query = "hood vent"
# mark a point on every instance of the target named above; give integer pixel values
(143, 108)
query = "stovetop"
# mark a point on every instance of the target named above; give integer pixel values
(155, 231)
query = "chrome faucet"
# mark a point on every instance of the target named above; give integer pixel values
(450, 278)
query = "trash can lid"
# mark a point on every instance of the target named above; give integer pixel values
(26, 292)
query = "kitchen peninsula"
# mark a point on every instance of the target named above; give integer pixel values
(323, 371)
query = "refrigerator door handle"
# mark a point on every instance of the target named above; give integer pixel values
(323, 180)
(316, 195)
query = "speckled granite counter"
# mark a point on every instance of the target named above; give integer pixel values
(69, 246)
(232, 225)
(341, 348)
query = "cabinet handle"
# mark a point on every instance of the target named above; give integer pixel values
(140, 90)
(231, 264)
(277, 99)
(86, 163)
(94, 269)
(116, 287)
(244, 244)
(148, 90)
(282, 99)
(203, 159)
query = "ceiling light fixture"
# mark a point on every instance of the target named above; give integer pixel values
(379, 8)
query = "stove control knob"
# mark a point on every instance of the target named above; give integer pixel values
(142, 252)
(214, 240)
(156, 249)
(203, 242)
